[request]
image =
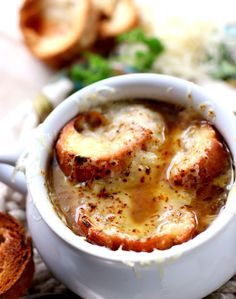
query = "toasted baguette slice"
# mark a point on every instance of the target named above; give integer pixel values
(57, 30)
(174, 227)
(105, 7)
(91, 146)
(203, 157)
(16, 259)
(123, 17)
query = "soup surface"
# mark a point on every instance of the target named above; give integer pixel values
(170, 181)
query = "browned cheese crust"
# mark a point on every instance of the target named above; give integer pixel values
(16, 259)
(175, 227)
(203, 157)
(98, 164)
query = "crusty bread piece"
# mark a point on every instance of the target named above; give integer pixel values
(83, 158)
(16, 259)
(123, 17)
(174, 227)
(203, 157)
(105, 7)
(91, 146)
(56, 31)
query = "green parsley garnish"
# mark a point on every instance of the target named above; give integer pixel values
(94, 69)
(141, 54)
(142, 59)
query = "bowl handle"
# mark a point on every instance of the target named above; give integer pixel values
(9, 174)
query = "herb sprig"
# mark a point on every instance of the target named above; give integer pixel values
(94, 68)
(144, 59)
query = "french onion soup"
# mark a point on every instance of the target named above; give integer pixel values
(139, 175)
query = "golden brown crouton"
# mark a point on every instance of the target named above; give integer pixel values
(174, 227)
(91, 147)
(202, 158)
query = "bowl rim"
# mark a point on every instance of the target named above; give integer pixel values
(35, 177)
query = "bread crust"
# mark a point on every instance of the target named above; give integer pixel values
(203, 157)
(123, 17)
(129, 137)
(16, 258)
(56, 35)
(175, 227)
(105, 7)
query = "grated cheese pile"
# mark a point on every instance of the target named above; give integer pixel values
(190, 34)
(188, 44)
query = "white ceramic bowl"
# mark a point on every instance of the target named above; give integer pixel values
(190, 270)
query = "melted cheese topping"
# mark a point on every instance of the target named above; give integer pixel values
(134, 202)
(125, 125)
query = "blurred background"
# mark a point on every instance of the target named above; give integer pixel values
(22, 75)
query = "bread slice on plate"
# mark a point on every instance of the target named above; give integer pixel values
(121, 17)
(56, 31)
(16, 258)
(106, 7)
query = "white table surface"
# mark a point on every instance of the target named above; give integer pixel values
(21, 75)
